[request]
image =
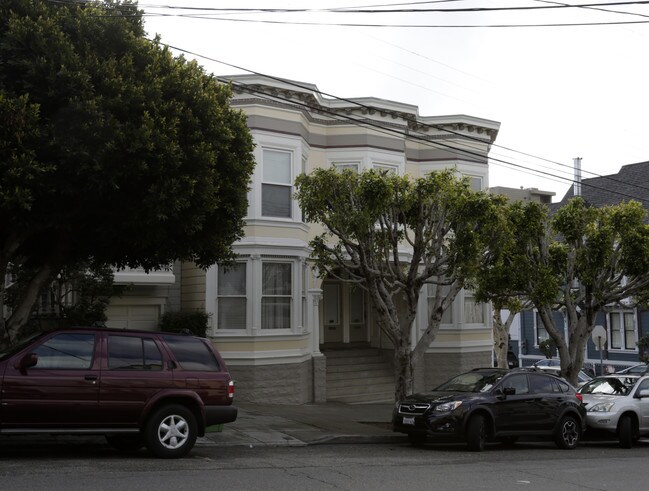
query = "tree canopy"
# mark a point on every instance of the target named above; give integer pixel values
(111, 149)
(393, 236)
(581, 261)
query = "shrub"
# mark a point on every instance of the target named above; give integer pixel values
(193, 321)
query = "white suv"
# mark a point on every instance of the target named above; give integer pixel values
(618, 403)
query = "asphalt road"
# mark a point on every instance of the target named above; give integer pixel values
(526, 466)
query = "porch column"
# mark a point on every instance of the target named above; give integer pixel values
(319, 360)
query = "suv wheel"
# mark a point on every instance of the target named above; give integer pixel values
(125, 443)
(476, 433)
(567, 436)
(171, 432)
(626, 432)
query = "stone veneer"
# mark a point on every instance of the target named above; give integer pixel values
(273, 384)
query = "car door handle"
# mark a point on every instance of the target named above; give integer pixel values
(91, 377)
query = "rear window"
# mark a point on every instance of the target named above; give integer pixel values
(133, 353)
(192, 353)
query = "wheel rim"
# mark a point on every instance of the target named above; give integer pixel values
(570, 433)
(173, 432)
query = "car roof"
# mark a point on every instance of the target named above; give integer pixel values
(186, 332)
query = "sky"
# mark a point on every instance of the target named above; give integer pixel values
(558, 91)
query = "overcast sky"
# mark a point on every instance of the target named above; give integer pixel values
(559, 92)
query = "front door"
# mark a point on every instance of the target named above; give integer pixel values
(345, 313)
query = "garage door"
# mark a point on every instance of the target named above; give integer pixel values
(143, 317)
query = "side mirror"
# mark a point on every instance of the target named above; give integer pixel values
(509, 391)
(642, 393)
(27, 361)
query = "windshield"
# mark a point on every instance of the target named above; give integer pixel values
(472, 382)
(618, 386)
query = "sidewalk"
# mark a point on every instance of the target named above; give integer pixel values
(308, 424)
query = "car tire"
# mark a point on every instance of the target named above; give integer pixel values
(476, 433)
(125, 443)
(568, 433)
(626, 432)
(171, 431)
(416, 439)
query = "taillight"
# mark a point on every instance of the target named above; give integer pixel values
(579, 396)
(230, 389)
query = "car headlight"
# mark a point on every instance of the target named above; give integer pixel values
(448, 406)
(602, 407)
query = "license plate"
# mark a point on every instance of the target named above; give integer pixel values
(409, 420)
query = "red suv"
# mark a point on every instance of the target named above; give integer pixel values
(153, 389)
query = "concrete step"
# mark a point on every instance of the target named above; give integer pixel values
(384, 387)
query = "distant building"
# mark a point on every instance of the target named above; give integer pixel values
(524, 194)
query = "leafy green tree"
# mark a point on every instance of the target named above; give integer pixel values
(77, 296)
(393, 236)
(112, 150)
(580, 261)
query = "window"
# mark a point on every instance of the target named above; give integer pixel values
(231, 292)
(389, 168)
(66, 351)
(622, 330)
(276, 188)
(473, 311)
(542, 385)
(352, 166)
(276, 290)
(192, 353)
(475, 182)
(541, 332)
(133, 353)
(447, 316)
(517, 382)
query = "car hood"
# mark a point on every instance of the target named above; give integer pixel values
(435, 397)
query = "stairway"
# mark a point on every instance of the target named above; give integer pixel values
(359, 375)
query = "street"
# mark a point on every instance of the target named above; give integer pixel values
(527, 466)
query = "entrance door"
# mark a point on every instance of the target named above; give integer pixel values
(332, 325)
(345, 314)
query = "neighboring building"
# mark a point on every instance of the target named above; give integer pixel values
(524, 194)
(624, 326)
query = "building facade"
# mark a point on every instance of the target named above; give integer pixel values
(280, 328)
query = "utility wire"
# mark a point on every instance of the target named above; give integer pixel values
(392, 131)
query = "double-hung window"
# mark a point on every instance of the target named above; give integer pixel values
(276, 295)
(622, 331)
(343, 166)
(231, 292)
(277, 185)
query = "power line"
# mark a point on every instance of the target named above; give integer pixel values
(400, 133)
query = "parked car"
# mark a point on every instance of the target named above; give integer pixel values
(548, 362)
(639, 369)
(137, 388)
(582, 376)
(492, 404)
(618, 404)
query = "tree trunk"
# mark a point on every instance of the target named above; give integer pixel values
(22, 311)
(403, 372)
(501, 337)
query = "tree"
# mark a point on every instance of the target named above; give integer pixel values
(77, 296)
(580, 261)
(112, 150)
(393, 236)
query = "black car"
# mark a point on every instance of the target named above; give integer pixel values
(492, 404)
